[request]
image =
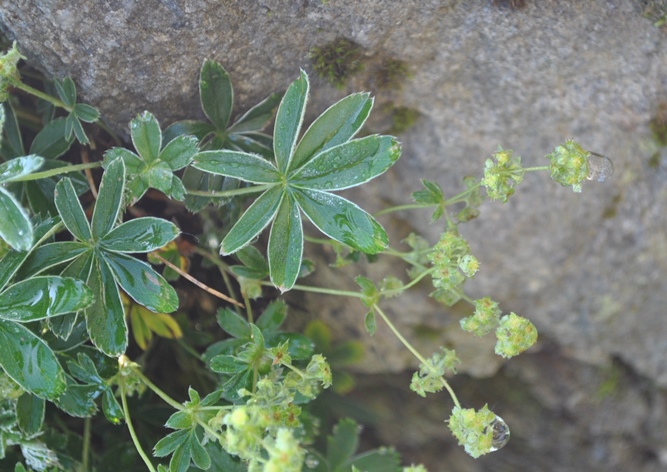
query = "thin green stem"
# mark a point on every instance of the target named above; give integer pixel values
(85, 450)
(39, 94)
(414, 351)
(133, 434)
(326, 291)
(58, 171)
(410, 206)
(532, 169)
(410, 284)
(229, 193)
(173, 403)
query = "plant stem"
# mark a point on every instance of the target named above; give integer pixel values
(133, 434)
(58, 171)
(39, 94)
(531, 169)
(414, 351)
(326, 291)
(173, 403)
(85, 450)
(410, 206)
(229, 193)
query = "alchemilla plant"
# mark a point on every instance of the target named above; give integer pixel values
(81, 254)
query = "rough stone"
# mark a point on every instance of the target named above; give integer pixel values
(587, 268)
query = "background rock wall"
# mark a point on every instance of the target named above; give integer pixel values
(587, 268)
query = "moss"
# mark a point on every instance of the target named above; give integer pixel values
(654, 160)
(658, 125)
(336, 61)
(403, 118)
(654, 10)
(512, 4)
(392, 74)
(612, 209)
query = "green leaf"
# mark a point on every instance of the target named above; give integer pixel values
(253, 259)
(288, 121)
(385, 460)
(231, 323)
(343, 443)
(179, 152)
(30, 413)
(370, 323)
(86, 113)
(253, 221)
(181, 420)
(110, 407)
(70, 210)
(335, 126)
(227, 364)
(257, 336)
(42, 297)
(40, 192)
(286, 246)
(51, 142)
(10, 264)
(342, 220)
(66, 91)
(170, 442)
(105, 319)
(50, 255)
(199, 455)
(29, 361)
(272, 317)
(142, 283)
(133, 163)
(15, 226)
(146, 136)
(12, 143)
(299, 348)
(19, 167)
(239, 165)
(216, 93)
(258, 117)
(349, 164)
(140, 235)
(109, 199)
(78, 400)
(199, 129)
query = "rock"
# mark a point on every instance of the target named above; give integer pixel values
(587, 268)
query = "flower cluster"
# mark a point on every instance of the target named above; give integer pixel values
(428, 379)
(569, 164)
(453, 263)
(484, 320)
(502, 175)
(515, 334)
(479, 432)
(8, 70)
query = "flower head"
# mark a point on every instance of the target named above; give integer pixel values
(569, 164)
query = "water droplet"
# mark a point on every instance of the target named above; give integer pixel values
(312, 462)
(501, 433)
(600, 167)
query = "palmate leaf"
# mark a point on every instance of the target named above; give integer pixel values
(153, 166)
(326, 159)
(23, 355)
(100, 257)
(217, 100)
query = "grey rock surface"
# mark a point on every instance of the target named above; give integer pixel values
(588, 269)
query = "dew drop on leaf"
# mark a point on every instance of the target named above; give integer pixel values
(501, 433)
(600, 167)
